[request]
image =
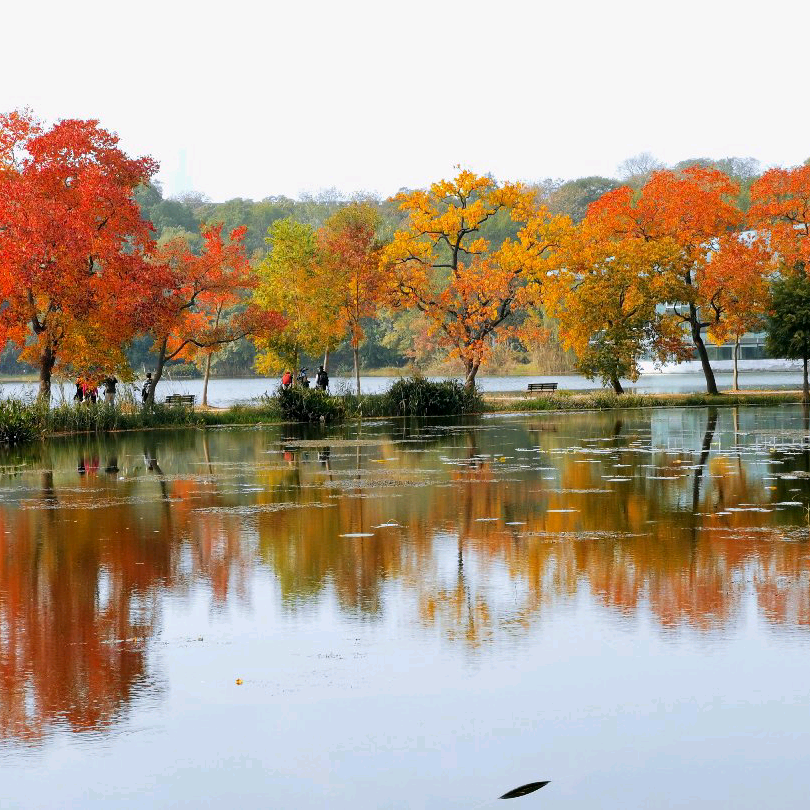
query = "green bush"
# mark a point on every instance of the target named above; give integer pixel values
(20, 421)
(310, 405)
(416, 396)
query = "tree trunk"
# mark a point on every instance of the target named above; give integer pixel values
(158, 372)
(805, 387)
(356, 353)
(208, 362)
(617, 386)
(736, 356)
(47, 359)
(326, 361)
(472, 370)
(711, 424)
(708, 373)
(205, 380)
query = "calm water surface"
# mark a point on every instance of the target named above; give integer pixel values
(422, 615)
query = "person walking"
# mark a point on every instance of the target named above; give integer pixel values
(322, 379)
(79, 395)
(286, 379)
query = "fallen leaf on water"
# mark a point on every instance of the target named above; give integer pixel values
(523, 790)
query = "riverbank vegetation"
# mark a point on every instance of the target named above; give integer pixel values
(22, 422)
(101, 274)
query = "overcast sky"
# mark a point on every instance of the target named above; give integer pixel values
(238, 99)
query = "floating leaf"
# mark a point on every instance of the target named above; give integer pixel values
(524, 790)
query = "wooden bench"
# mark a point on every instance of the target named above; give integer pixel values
(181, 399)
(542, 387)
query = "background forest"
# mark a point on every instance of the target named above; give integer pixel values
(394, 339)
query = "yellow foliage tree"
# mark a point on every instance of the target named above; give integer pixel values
(606, 303)
(443, 264)
(291, 282)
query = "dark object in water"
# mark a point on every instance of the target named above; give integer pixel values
(523, 790)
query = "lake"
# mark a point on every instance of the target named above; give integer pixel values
(411, 614)
(223, 392)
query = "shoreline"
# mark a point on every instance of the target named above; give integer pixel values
(505, 403)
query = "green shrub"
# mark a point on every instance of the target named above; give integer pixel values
(310, 405)
(416, 396)
(20, 421)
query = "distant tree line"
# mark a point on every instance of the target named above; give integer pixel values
(101, 273)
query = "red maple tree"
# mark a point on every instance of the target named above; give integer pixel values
(196, 291)
(74, 275)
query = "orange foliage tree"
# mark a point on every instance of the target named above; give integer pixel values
(443, 265)
(607, 305)
(737, 286)
(781, 206)
(349, 253)
(689, 213)
(74, 273)
(196, 291)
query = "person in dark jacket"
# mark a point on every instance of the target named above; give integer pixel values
(322, 379)
(147, 387)
(109, 389)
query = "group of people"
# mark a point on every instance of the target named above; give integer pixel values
(321, 379)
(87, 390)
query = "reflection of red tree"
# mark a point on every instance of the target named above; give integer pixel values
(80, 600)
(77, 606)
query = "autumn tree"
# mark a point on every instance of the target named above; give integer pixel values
(737, 286)
(781, 207)
(196, 291)
(607, 305)
(73, 246)
(291, 282)
(443, 264)
(687, 213)
(350, 258)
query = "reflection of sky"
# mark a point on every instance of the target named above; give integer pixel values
(622, 649)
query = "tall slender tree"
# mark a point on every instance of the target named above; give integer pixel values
(350, 256)
(737, 286)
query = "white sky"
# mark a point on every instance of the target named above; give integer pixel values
(238, 99)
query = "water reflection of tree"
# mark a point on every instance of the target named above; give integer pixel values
(80, 587)
(84, 559)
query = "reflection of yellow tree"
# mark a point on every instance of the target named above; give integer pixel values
(81, 586)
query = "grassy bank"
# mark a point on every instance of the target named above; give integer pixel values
(23, 421)
(607, 400)
(26, 421)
